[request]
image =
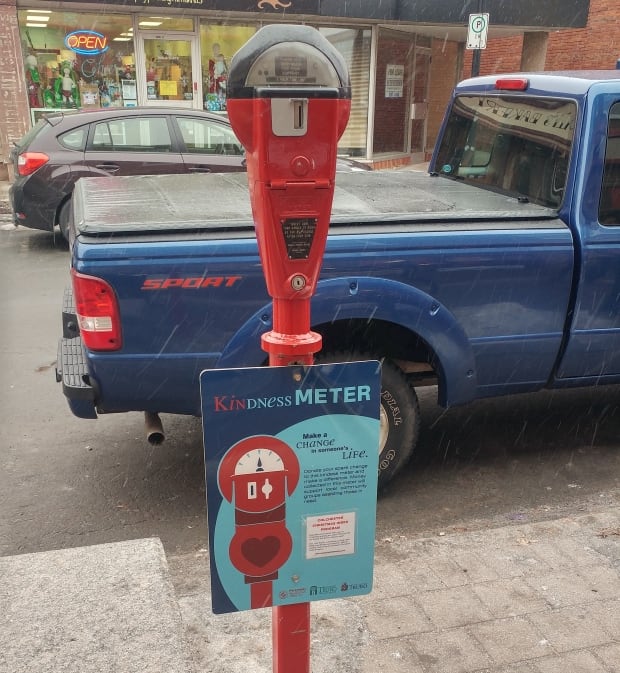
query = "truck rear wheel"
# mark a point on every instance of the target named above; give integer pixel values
(399, 415)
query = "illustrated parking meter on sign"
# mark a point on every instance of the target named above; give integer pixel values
(257, 474)
(288, 100)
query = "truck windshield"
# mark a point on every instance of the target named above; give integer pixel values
(510, 144)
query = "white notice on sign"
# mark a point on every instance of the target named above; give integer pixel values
(330, 535)
(394, 81)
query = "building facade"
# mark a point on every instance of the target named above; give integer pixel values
(596, 46)
(403, 57)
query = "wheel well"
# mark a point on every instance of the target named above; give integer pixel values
(60, 207)
(384, 339)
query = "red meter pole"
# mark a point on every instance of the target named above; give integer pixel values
(288, 101)
(291, 341)
(290, 625)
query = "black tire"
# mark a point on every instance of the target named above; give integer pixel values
(64, 218)
(399, 415)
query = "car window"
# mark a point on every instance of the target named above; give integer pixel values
(74, 139)
(609, 205)
(138, 134)
(203, 136)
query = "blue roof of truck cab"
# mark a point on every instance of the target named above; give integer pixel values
(568, 82)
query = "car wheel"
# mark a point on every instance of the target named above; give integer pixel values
(399, 415)
(64, 217)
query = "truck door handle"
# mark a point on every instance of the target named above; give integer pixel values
(110, 168)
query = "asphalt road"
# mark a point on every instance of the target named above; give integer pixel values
(67, 482)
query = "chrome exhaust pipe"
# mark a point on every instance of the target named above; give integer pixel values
(154, 428)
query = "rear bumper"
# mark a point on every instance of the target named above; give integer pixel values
(71, 367)
(28, 211)
(72, 373)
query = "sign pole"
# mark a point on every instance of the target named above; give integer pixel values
(290, 626)
(475, 63)
(291, 341)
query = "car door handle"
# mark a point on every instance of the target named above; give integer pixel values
(199, 169)
(110, 168)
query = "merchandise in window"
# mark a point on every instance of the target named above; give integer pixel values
(76, 61)
(218, 43)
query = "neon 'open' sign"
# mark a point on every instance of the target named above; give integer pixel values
(87, 42)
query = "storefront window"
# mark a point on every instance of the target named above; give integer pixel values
(76, 60)
(354, 45)
(218, 43)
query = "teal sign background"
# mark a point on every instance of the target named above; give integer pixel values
(334, 431)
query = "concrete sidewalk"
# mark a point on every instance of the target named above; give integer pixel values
(523, 598)
(101, 609)
(531, 598)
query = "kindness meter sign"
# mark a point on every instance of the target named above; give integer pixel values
(291, 457)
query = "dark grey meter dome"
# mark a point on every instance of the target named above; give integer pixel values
(289, 56)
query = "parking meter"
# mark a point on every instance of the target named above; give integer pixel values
(288, 100)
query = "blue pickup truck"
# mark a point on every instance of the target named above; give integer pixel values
(495, 273)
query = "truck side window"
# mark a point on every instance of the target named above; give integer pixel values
(513, 144)
(609, 204)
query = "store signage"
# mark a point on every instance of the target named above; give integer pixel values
(87, 42)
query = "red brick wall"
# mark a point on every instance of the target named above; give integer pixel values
(597, 46)
(13, 100)
(390, 112)
(501, 55)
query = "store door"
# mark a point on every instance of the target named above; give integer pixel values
(419, 106)
(393, 82)
(168, 70)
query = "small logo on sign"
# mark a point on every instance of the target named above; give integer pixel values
(276, 4)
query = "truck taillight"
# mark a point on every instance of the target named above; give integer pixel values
(97, 312)
(29, 162)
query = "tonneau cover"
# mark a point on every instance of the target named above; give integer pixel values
(150, 204)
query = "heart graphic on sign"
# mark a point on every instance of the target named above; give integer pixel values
(260, 551)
